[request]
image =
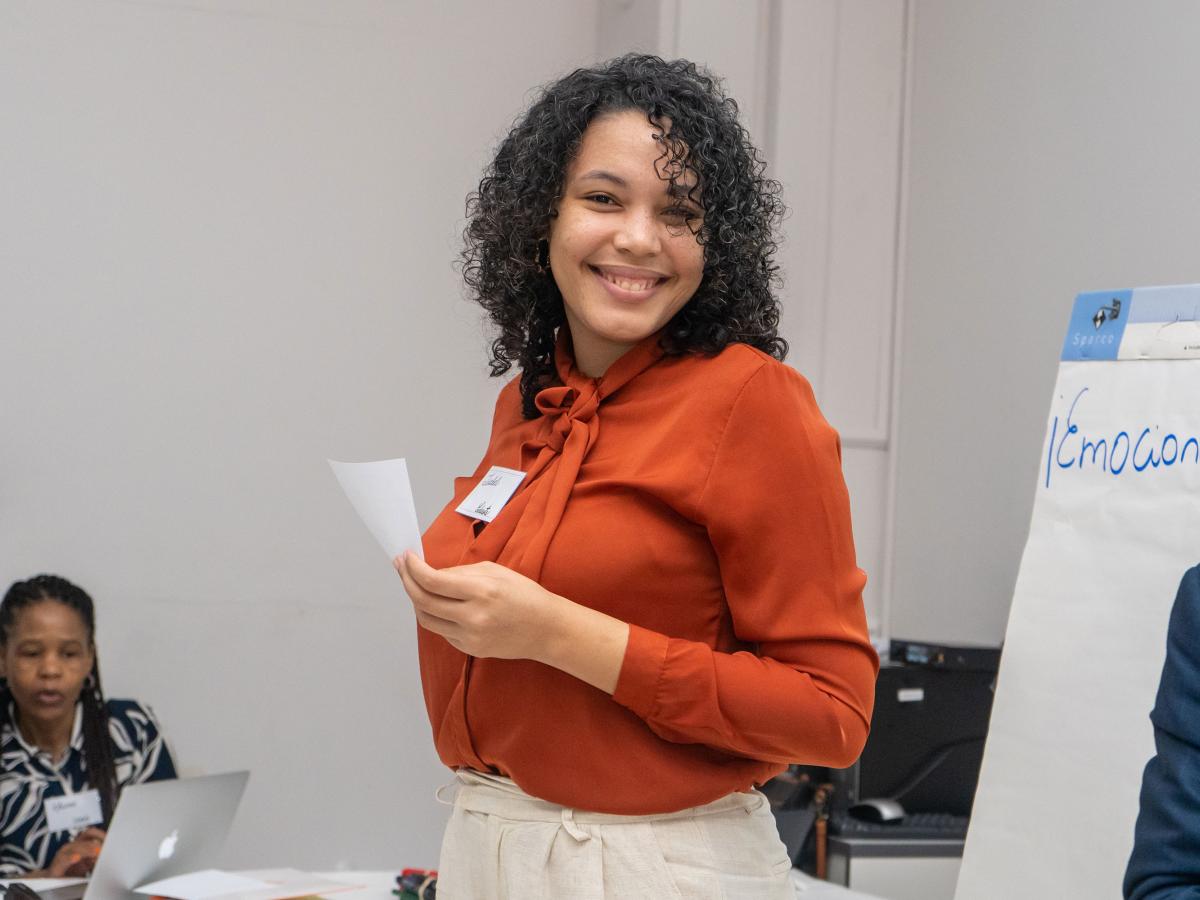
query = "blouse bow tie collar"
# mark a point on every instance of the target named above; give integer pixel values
(567, 430)
(576, 399)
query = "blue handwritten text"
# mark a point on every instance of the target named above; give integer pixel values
(1137, 449)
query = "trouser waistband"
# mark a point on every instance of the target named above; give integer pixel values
(496, 795)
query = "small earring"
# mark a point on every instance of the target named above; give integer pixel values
(542, 259)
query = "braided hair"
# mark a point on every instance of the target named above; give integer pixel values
(97, 742)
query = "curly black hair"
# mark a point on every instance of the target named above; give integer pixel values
(509, 215)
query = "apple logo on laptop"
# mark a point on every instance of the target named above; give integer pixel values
(167, 848)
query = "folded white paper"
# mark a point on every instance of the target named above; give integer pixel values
(382, 495)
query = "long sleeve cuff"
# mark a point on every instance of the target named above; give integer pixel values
(641, 671)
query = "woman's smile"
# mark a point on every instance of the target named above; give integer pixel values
(625, 283)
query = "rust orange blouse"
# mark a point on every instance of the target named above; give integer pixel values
(701, 500)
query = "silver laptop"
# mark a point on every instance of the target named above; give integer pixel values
(160, 829)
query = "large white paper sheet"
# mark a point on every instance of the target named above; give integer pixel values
(268, 884)
(1116, 523)
(203, 885)
(382, 495)
(285, 883)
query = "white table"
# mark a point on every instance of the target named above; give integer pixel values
(378, 886)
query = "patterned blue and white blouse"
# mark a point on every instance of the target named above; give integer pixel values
(30, 777)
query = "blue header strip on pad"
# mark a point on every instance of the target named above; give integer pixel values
(1097, 324)
(1173, 303)
(1145, 323)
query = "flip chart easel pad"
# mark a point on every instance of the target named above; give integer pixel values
(1114, 527)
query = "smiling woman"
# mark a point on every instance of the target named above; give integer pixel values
(66, 751)
(667, 611)
(622, 247)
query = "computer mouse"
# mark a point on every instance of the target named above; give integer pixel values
(878, 809)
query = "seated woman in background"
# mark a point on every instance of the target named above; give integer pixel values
(59, 738)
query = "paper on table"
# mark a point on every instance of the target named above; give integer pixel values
(203, 885)
(286, 883)
(382, 496)
(269, 884)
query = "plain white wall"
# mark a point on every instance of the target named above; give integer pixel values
(1054, 148)
(227, 232)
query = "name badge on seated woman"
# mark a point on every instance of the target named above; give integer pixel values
(488, 497)
(71, 812)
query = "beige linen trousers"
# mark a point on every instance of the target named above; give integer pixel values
(502, 844)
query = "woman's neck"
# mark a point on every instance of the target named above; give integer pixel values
(593, 354)
(595, 361)
(50, 737)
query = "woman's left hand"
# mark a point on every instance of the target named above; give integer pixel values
(77, 858)
(483, 609)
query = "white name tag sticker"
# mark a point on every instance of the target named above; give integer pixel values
(491, 494)
(73, 812)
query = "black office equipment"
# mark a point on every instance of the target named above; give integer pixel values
(944, 656)
(932, 705)
(928, 731)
